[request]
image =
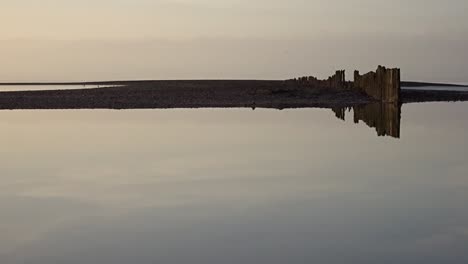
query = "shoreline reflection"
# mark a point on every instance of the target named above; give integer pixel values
(385, 118)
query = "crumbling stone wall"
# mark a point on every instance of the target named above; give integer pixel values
(383, 85)
(336, 81)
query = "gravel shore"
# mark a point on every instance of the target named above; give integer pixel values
(204, 94)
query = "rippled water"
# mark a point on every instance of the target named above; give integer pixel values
(232, 186)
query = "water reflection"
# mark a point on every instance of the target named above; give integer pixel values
(232, 186)
(385, 118)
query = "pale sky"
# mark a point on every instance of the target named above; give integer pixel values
(143, 39)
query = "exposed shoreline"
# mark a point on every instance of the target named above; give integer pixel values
(130, 82)
(202, 94)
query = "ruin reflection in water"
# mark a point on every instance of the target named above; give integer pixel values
(384, 117)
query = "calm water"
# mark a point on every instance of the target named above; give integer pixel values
(439, 88)
(232, 186)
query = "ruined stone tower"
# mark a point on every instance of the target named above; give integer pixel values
(383, 85)
(339, 80)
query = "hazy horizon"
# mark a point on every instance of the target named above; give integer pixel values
(237, 39)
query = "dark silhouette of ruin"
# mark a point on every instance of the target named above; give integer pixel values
(382, 85)
(336, 81)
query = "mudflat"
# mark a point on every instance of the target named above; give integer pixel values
(204, 94)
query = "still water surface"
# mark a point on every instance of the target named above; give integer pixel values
(232, 186)
(439, 88)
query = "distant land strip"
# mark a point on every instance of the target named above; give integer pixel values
(204, 94)
(403, 83)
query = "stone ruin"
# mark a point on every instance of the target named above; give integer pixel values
(382, 85)
(338, 81)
